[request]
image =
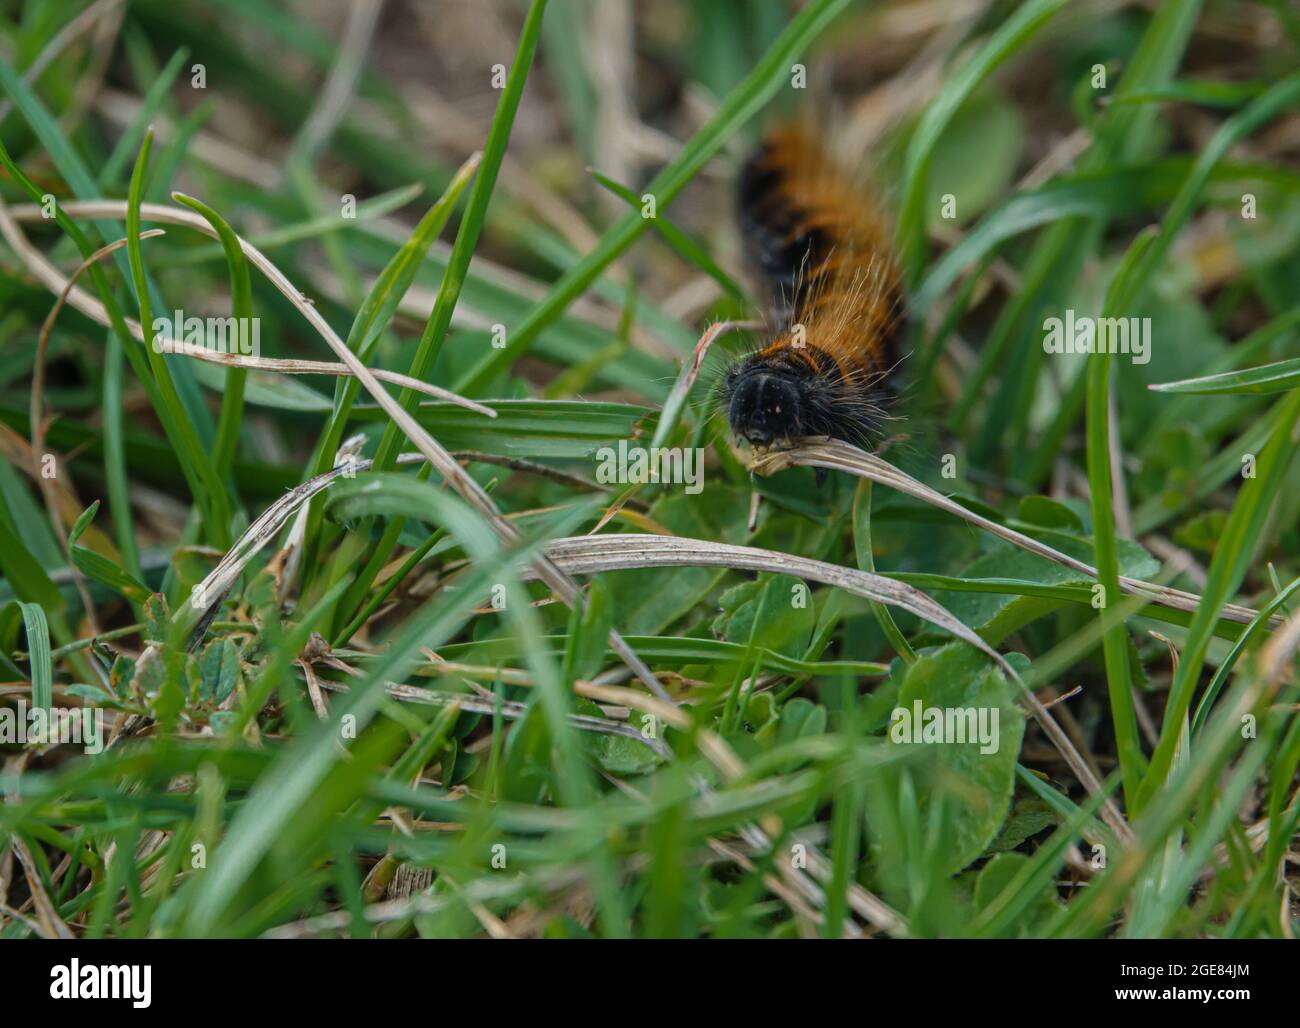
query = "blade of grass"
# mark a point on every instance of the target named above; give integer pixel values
(129, 140)
(1232, 555)
(1246, 522)
(241, 307)
(38, 651)
(83, 184)
(307, 760)
(685, 246)
(1238, 647)
(471, 225)
(1269, 378)
(866, 561)
(376, 311)
(1115, 639)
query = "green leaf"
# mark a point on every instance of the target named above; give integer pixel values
(778, 613)
(1268, 378)
(101, 569)
(38, 653)
(219, 670)
(976, 787)
(647, 601)
(1202, 532)
(975, 158)
(1205, 92)
(527, 428)
(616, 754)
(83, 522)
(27, 578)
(157, 618)
(526, 763)
(1029, 817)
(867, 562)
(800, 718)
(1040, 510)
(264, 388)
(998, 873)
(674, 651)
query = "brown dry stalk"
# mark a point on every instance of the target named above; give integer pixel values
(840, 456)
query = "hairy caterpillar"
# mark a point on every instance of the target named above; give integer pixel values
(834, 295)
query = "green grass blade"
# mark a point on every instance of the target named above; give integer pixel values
(241, 307)
(1268, 378)
(1115, 639)
(685, 246)
(38, 652)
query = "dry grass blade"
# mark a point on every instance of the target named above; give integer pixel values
(90, 306)
(52, 926)
(509, 709)
(206, 597)
(300, 367)
(840, 456)
(590, 554)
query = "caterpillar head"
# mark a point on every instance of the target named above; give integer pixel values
(765, 402)
(771, 399)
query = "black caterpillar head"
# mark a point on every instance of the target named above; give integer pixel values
(769, 400)
(765, 402)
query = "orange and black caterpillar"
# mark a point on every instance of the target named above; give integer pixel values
(834, 293)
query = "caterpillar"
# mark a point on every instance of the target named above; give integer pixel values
(833, 292)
